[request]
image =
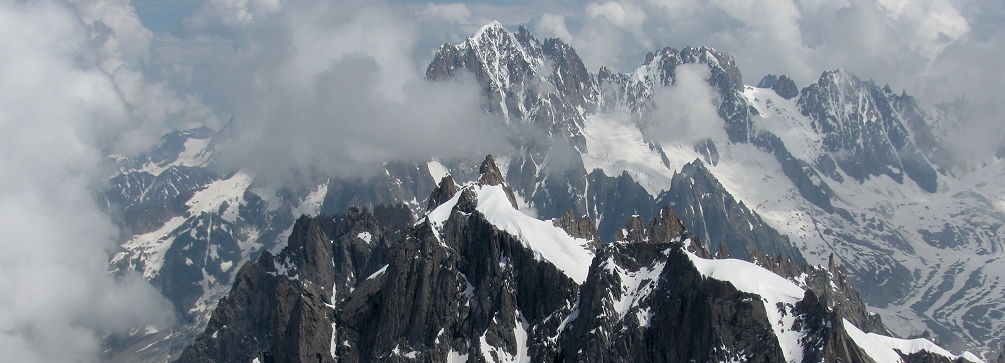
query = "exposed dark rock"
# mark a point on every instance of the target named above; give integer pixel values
(678, 316)
(925, 357)
(442, 192)
(279, 309)
(722, 253)
(613, 200)
(396, 218)
(447, 293)
(471, 289)
(829, 285)
(569, 74)
(767, 81)
(665, 227)
(824, 338)
(929, 336)
(825, 165)
(785, 87)
(714, 216)
(807, 181)
(582, 227)
(490, 175)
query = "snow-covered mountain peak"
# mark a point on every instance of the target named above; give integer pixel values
(495, 200)
(498, 46)
(659, 67)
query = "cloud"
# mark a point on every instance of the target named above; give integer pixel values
(230, 13)
(59, 114)
(937, 50)
(319, 87)
(685, 113)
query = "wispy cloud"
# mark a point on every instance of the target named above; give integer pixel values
(60, 110)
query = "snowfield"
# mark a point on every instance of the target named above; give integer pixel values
(549, 243)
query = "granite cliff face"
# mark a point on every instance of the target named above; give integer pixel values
(477, 280)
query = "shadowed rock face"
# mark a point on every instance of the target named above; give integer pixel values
(829, 286)
(861, 126)
(713, 215)
(785, 87)
(279, 309)
(343, 291)
(582, 227)
(490, 175)
(442, 193)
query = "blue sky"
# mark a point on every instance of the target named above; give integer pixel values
(164, 15)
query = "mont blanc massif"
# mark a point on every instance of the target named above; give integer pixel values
(826, 222)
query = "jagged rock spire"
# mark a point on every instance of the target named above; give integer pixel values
(785, 87)
(666, 227)
(442, 193)
(722, 253)
(582, 227)
(490, 175)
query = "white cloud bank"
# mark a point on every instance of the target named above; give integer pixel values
(937, 50)
(334, 88)
(59, 109)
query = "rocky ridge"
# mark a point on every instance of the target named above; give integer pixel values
(457, 286)
(839, 166)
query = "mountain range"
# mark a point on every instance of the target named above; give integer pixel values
(543, 253)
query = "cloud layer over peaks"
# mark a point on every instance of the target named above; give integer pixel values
(334, 88)
(938, 50)
(60, 111)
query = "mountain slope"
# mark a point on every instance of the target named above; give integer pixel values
(460, 287)
(840, 168)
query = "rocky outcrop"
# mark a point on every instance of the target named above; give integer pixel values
(442, 193)
(861, 128)
(829, 285)
(280, 307)
(717, 218)
(464, 288)
(676, 316)
(490, 175)
(581, 227)
(785, 87)
(613, 200)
